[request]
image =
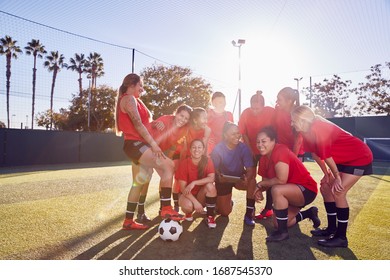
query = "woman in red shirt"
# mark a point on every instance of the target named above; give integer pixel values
(252, 120)
(286, 101)
(132, 117)
(196, 179)
(197, 129)
(347, 157)
(291, 185)
(169, 132)
(216, 118)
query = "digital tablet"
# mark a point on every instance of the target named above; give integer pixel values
(230, 179)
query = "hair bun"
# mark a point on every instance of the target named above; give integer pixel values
(259, 92)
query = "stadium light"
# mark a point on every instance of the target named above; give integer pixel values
(239, 43)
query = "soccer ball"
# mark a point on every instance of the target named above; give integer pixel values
(170, 230)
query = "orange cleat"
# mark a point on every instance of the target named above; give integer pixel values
(168, 212)
(130, 224)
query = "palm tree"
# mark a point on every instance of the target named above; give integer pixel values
(36, 49)
(54, 62)
(78, 64)
(10, 50)
(94, 67)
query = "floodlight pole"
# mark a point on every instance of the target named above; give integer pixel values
(298, 80)
(239, 43)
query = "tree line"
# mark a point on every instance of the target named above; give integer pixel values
(92, 109)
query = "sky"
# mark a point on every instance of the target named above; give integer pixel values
(285, 40)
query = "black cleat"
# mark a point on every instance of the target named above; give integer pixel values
(314, 217)
(324, 232)
(334, 242)
(277, 236)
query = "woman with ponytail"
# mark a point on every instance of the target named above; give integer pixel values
(132, 118)
(195, 176)
(286, 101)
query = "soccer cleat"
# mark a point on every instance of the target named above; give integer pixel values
(277, 236)
(142, 218)
(211, 222)
(322, 232)
(168, 212)
(189, 217)
(130, 224)
(333, 242)
(314, 217)
(248, 220)
(267, 214)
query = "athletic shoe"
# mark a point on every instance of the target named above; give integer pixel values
(211, 222)
(130, 224)
(189, 217)
(277, 236)
(168, 212)
(314, 217)
(142, 218)
(248, 220)
(333, 242)
(264, 216)
(322, 232)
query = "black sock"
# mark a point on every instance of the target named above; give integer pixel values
(165, 197)
(303, 215)
(250, 207)
(210, 205)
(141, 204)
(268, 202)
(175, 197)
(282, 219)
(331, 214)
(130, 209)
(342, 221)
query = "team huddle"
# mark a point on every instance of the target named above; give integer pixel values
(200, 155)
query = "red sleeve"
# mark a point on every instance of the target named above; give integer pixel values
(280, 154)
(209, 167)
(182, 171)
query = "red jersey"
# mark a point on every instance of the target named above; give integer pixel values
(188, 172)
(285, 132)
(170, 136)
(283, 128)
(326, 140)
(126, 125)
(250, 124)
(216, 122)
(297, 173)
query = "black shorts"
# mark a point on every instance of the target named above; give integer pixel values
(224, 188)
(355, 170)
(134, 149)
(308, 195)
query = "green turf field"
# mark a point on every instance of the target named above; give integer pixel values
(76, 212)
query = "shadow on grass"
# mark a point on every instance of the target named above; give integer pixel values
(197, 244)
(300, 246)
